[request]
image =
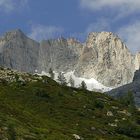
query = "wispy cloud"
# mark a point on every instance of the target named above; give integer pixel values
(9, 6)
(40, 32)
(120, 7)
(131, 35)
(101, 24)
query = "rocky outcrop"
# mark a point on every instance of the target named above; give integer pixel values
(137, 61)
(9, 76)
(103, 57)
(106, 58)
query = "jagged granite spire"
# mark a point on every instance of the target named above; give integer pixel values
(106, 58)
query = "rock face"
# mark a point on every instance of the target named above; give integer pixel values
(137, 61)
(103, 57)
(106, 58)
(60, 55)
(18, 51)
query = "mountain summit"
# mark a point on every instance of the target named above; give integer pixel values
(18, 51)
(106, 58)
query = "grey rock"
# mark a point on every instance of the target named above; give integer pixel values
(60, 55)
(18, 51)
(93, 128)
(137, 61)
(106, 58)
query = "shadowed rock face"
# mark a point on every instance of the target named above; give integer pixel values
(18, 51)
(60, 55)
(103, 57)
(137, 76)
(133, 87)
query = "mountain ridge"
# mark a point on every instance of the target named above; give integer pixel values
(103, 56)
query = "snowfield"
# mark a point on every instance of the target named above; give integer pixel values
(92, 84)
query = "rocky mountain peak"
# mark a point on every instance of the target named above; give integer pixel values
(106, 58)
(102, 38)
(60, 40)
(17, 51)
(74, 42)
(102, 34)
(17, 33)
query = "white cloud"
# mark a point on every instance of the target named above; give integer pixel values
(118, 9)
(6, 5)
(123, 7)
(80, 36)
(99, 4)
(12, 5)
(40, 32)
(101, 24)
(131, 35)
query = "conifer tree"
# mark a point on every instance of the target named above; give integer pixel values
(83, 85)
(71, 81)
(61, 78)
(51, 73)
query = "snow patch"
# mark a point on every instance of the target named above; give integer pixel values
(92, 84)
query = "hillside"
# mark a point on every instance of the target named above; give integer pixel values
(38, 108)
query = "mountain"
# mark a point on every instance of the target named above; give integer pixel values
(37, 108)
(18, 51)
(103, 57)
(106, 58)
(60, 55)
(133, 87)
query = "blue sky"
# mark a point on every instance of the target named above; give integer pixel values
(43, 19)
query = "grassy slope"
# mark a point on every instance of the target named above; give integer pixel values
(40, 111)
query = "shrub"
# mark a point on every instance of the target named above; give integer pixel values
(83, 85)
(128, 99)
(99, 104)
(71, 81)
(12, 132)
(61, 78)
(42, 93)
(128, 129)
(51, 73)
(3, 81)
